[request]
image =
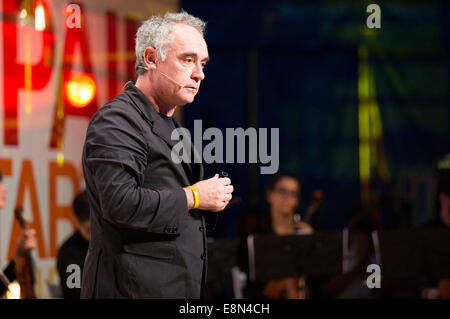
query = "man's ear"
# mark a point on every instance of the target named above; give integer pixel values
(150, 57)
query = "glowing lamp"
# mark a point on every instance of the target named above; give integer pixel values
(39, 18)
(13, 291)
(80, 90)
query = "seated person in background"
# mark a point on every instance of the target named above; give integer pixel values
(74, 249)
(441, 289)
(26, 242)
(443, 219)
(283, 196)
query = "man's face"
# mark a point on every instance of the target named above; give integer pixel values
(186, 57)
(3, 191)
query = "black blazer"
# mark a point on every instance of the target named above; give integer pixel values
(144, 242)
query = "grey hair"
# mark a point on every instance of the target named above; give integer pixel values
(156, 32)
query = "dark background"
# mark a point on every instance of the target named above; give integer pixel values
(295, 66)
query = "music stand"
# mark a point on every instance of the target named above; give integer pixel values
(274, 257)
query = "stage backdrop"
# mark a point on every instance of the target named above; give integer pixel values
(363, 113)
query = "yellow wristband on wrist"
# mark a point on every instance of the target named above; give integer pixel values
(196, 197)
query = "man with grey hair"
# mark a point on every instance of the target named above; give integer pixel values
(149, 215)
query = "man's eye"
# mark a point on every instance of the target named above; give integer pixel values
(189, 60)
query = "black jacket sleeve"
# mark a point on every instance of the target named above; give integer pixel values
(115, 156)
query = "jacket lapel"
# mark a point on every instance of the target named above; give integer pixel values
(194, 171)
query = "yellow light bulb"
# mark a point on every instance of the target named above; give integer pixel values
(80, 90)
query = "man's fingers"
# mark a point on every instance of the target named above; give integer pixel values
(225, 204)
(228, 189)
(225, 181)
(226, 198)
(221, 208)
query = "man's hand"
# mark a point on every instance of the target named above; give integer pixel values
(214, 193)
(27, 242)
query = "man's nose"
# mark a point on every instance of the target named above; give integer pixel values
(197, 72)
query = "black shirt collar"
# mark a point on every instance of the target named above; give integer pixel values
(142, 102)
